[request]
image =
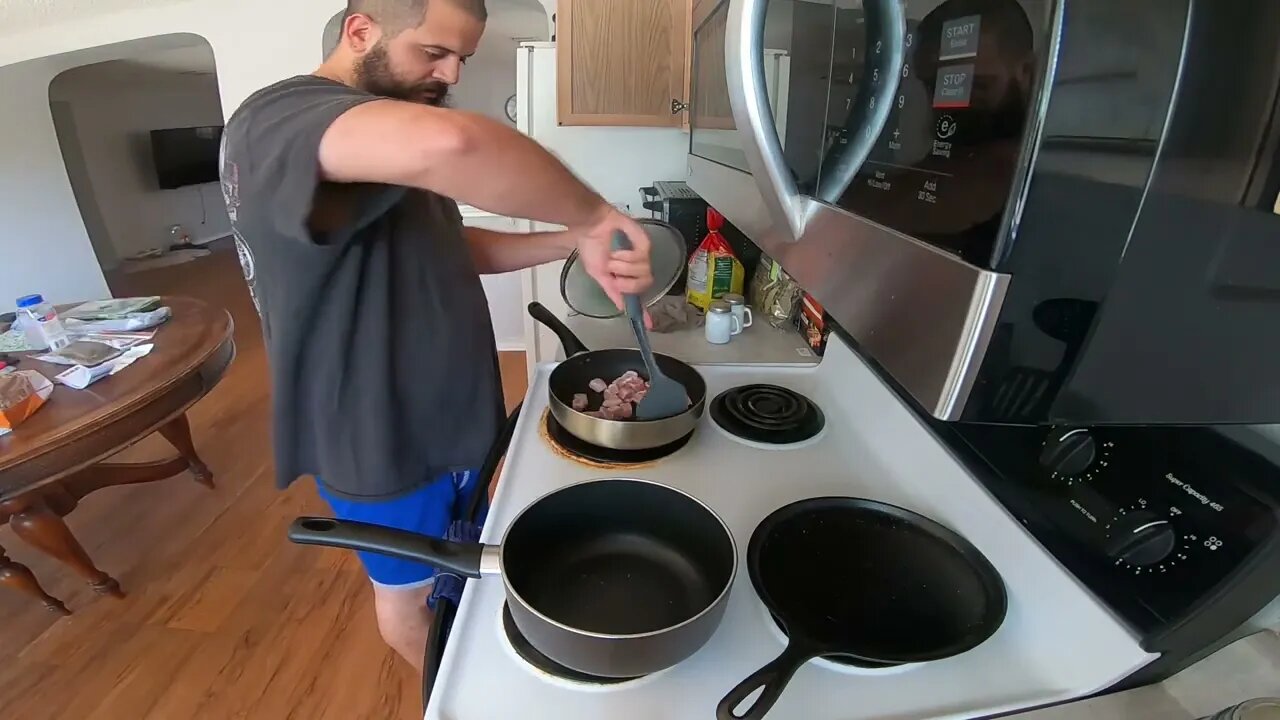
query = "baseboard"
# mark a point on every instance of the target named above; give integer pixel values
(511, 346)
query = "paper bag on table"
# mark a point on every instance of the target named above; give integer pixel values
(22, 393)
(80, 377)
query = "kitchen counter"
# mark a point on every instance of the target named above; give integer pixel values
(759, 344)
(1246, 669)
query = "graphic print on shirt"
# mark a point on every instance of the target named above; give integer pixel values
(231, 195)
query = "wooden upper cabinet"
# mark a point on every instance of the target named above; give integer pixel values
(623, 62)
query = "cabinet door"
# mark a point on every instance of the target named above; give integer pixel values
(621, 62)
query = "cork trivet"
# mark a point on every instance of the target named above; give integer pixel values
(545, 432)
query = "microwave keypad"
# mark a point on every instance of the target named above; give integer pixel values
(943, 168)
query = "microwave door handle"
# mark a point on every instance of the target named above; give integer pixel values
(885, 23)
(753, 115)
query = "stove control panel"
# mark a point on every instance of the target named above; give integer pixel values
(1153, 520)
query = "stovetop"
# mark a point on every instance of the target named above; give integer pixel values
(768, 415)
(1057, 642)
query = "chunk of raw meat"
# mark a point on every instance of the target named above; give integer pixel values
(620, 396)
(580, 402)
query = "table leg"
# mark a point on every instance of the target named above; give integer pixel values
(178, 432)
(20, 578)
(42, 529)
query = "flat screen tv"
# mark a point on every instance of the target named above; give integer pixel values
(186, 156)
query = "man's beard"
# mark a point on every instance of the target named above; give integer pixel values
(374, 75)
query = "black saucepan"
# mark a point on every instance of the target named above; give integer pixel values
(615, 578)
(582, 366)
(871, 581)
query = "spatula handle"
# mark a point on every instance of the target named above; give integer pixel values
(635, 313)
(634, 308)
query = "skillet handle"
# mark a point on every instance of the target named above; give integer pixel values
(572, 345)
(772, 678)
(461, 558)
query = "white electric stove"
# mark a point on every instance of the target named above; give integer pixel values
(1057, 641)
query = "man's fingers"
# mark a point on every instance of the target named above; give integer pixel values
(639, 238)
(630, 256)
(624, 269)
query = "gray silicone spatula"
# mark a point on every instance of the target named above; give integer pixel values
(666, 397)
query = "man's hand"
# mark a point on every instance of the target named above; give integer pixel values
(624, 271)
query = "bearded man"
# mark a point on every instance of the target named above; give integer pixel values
(342, 187)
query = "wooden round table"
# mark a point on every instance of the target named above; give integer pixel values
(54, 459)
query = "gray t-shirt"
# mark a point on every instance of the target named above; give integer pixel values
(383, 364)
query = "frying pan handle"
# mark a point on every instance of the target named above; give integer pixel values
(771, 678)
(464, 559)
(572, 345)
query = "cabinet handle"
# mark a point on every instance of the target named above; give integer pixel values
(678, 107)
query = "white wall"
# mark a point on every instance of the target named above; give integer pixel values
(116, 105)
(42, 237)
(43, 241)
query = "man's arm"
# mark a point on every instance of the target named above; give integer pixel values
(480, 162)
(458, 154)
(498, 252)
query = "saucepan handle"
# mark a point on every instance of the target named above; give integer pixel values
(572, 345)
(468, 559)
(771, 680)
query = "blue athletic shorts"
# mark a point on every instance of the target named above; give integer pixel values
(428, 511)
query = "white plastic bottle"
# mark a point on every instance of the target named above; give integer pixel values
(41, 325)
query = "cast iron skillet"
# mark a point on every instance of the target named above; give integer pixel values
(582, 366)
(615, 577)
(846, 576)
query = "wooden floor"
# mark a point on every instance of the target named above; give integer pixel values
(224, 618)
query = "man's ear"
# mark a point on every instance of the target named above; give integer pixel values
(361, 33)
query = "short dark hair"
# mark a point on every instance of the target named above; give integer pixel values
(398, 15)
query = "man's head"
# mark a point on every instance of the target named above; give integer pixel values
(410, 49)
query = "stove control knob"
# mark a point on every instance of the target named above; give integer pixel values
(1068, 452)
(1140, 538)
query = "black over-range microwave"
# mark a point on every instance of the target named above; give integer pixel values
(1023, 211)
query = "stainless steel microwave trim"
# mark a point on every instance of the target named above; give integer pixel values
(753, 115)
(925, 316)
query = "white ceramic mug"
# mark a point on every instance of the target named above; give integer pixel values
(721, 323)
(738, 305)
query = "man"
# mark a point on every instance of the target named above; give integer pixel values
(341, 189)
